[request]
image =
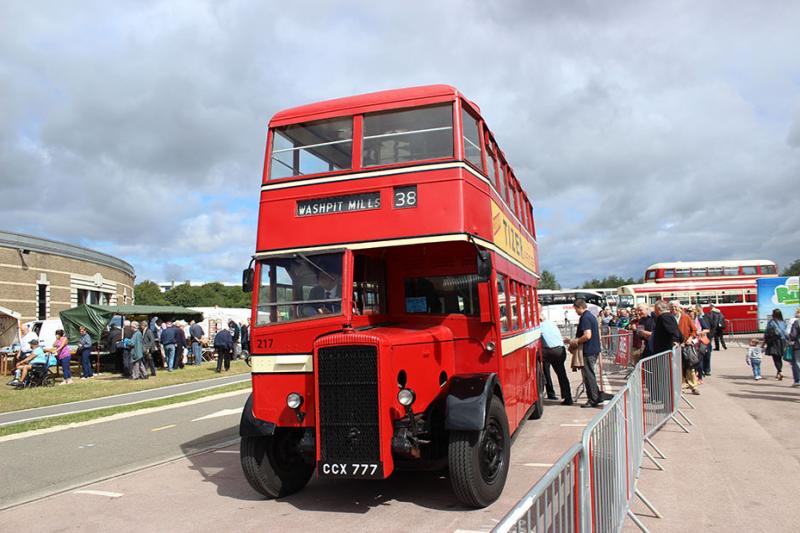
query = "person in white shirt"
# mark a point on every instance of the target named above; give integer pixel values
(26, 336)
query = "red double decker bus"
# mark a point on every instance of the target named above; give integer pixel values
(394, 286)
(730, 285)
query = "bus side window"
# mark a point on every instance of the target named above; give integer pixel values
(501, 300)
(513, 296)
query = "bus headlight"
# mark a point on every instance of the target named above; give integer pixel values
(406, 397)
(294, 400)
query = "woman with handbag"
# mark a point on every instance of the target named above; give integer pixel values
(794, 342)
(703, 343)
(688, 351)
(775, 341)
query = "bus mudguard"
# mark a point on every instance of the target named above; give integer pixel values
(467, 399)
(250, 426)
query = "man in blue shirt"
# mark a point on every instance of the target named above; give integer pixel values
(588, 337)
(555, 355)
(168, 341)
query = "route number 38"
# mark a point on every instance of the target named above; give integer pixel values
(405, 197)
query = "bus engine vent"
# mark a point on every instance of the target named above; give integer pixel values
(348, 404)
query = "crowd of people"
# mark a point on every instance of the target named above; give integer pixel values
(138, 349)
(141, 348)
(653, 330)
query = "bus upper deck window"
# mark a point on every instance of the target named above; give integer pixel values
(749, 271)
(311, 148)
(408, 135)
(472, 140)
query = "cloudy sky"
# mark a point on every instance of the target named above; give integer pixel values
(642, 131)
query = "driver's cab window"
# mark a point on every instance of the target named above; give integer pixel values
(299, 287)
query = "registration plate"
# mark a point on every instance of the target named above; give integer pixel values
(359, 470)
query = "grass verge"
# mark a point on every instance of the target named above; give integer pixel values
(106, 385)
(108, 411)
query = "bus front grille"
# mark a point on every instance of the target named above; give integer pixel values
(348, 404)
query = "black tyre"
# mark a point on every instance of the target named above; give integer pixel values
(272, 465)
(479, 460)
(49, 380)
(538, 407)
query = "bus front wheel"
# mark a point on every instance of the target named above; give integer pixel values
(273, 465)
(479, 460)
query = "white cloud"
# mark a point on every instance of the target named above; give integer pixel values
(649, 130)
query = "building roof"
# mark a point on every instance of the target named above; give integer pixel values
(22, 242)
(366, 100)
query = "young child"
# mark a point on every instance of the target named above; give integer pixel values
(753, 358)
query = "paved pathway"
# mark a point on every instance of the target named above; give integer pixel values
(739, 467)
(119, 399)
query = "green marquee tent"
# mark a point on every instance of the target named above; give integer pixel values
(95, 318)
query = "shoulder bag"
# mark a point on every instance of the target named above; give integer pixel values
(689, 354)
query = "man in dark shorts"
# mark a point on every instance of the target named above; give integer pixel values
(588, 337)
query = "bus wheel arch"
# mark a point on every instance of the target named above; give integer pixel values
(468, 398)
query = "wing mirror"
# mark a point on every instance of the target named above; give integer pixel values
(247, 279)
(484, 265)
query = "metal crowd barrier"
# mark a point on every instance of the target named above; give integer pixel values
(592, 486)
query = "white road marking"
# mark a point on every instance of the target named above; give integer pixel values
(573, 425)
(100, 493)
(226, 451)
(120, 416)
(538, 465)
(86, 446)
(163, 427)
(224, 412)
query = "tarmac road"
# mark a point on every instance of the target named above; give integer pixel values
(49, 462)
(204, 491)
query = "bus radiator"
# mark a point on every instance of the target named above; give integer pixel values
(348, 404)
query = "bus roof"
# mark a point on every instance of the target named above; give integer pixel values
(568, 291)
(712, 264)
(354, 103)
(686, 284)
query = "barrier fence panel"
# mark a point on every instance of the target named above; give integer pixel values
(553, 503)
(658, 393)
(592, 486)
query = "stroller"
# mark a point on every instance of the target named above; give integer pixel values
(40, 375)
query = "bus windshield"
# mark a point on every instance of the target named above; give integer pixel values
(299, 287)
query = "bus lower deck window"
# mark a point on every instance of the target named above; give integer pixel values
(442, 295)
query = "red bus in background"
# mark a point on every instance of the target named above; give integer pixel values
(730, 285)
(394, 286)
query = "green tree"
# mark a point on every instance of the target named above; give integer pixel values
(208, 295)
(148, 293)
(183, 295)
(548, 281)
(793, 269)
(609, 282)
